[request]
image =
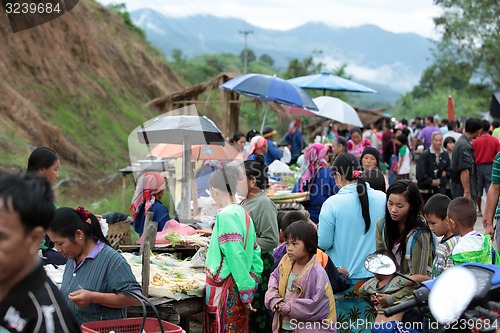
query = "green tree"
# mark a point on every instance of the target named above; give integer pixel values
(266, 58)
(306, 66)
(178, 56)
(250, 55)
(473, 27)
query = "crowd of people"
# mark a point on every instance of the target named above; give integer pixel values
(268, 271)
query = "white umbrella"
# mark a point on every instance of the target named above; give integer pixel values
(336, 109)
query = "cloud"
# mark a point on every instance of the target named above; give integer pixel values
(392, 15)
(396, 75)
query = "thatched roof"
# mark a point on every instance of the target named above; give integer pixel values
(227, 99)
(191, 93)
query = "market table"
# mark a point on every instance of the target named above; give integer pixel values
(183, 251)
(175, 311)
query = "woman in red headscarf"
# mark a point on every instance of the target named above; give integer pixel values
(258, 145)
(148, 193)
(317, 180)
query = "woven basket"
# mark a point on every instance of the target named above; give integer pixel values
(119, 234)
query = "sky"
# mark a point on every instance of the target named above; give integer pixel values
(392, 15)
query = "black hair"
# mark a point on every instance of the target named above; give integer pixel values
(430, 118)
(472, 125)
(444, 122)
(356, 130)
(342, 141)
(404, 121)
(305, 232)
(225, 179)
(403, 139)
(67, 221)
(257, 169)
(406, 131)
(30, 196)
(237, 135)
(485, 125)
(395, 130)
(346, 164)
(414, 220)
(463, 211)
(41, 158)
(452, 125)
(495, 124)
(448, 140)
(437, 205)
(290, 217)
(375, 178)
(251, 133)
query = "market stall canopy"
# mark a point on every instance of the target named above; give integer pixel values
(175, 129)
(198, 152)
(332, 108)
(327, 81)
(270, 88)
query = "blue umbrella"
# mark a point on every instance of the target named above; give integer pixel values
(327, 81)
(270, 88)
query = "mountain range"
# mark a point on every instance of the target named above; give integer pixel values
(371, 53)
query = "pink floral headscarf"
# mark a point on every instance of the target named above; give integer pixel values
(148, 185)
(313, 158)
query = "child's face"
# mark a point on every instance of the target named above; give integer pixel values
(438, 226)
(398, 207)
(296, 250)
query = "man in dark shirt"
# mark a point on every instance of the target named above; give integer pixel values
(29, 301)
(463, 164)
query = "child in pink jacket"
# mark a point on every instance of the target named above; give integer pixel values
(299, 292)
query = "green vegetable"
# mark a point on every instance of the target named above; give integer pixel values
(174, 238)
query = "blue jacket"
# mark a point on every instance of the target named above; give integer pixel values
(160, 215)
(323, 187)
(341, 230)
(273, 153)
(297, 143)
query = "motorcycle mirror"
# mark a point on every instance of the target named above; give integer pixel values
(451, 294)
(379, 264)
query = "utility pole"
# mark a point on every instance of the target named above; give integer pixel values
(245, 50)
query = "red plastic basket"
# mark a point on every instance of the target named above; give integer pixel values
(129, 325)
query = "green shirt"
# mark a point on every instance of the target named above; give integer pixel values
(495, 178)
(227, 254)
(264, 215)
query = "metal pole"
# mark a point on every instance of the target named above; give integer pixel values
(186, 179)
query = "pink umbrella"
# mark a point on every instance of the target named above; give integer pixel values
(294, 110)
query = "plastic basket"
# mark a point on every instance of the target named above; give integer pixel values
(133, 325)
(129, 325)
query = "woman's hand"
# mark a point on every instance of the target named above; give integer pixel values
(81, 298)
(249, 307)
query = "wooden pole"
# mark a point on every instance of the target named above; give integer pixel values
(124, 192)
(224, 103)
(148, 243)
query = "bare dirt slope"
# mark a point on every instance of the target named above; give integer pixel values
(64, 83)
